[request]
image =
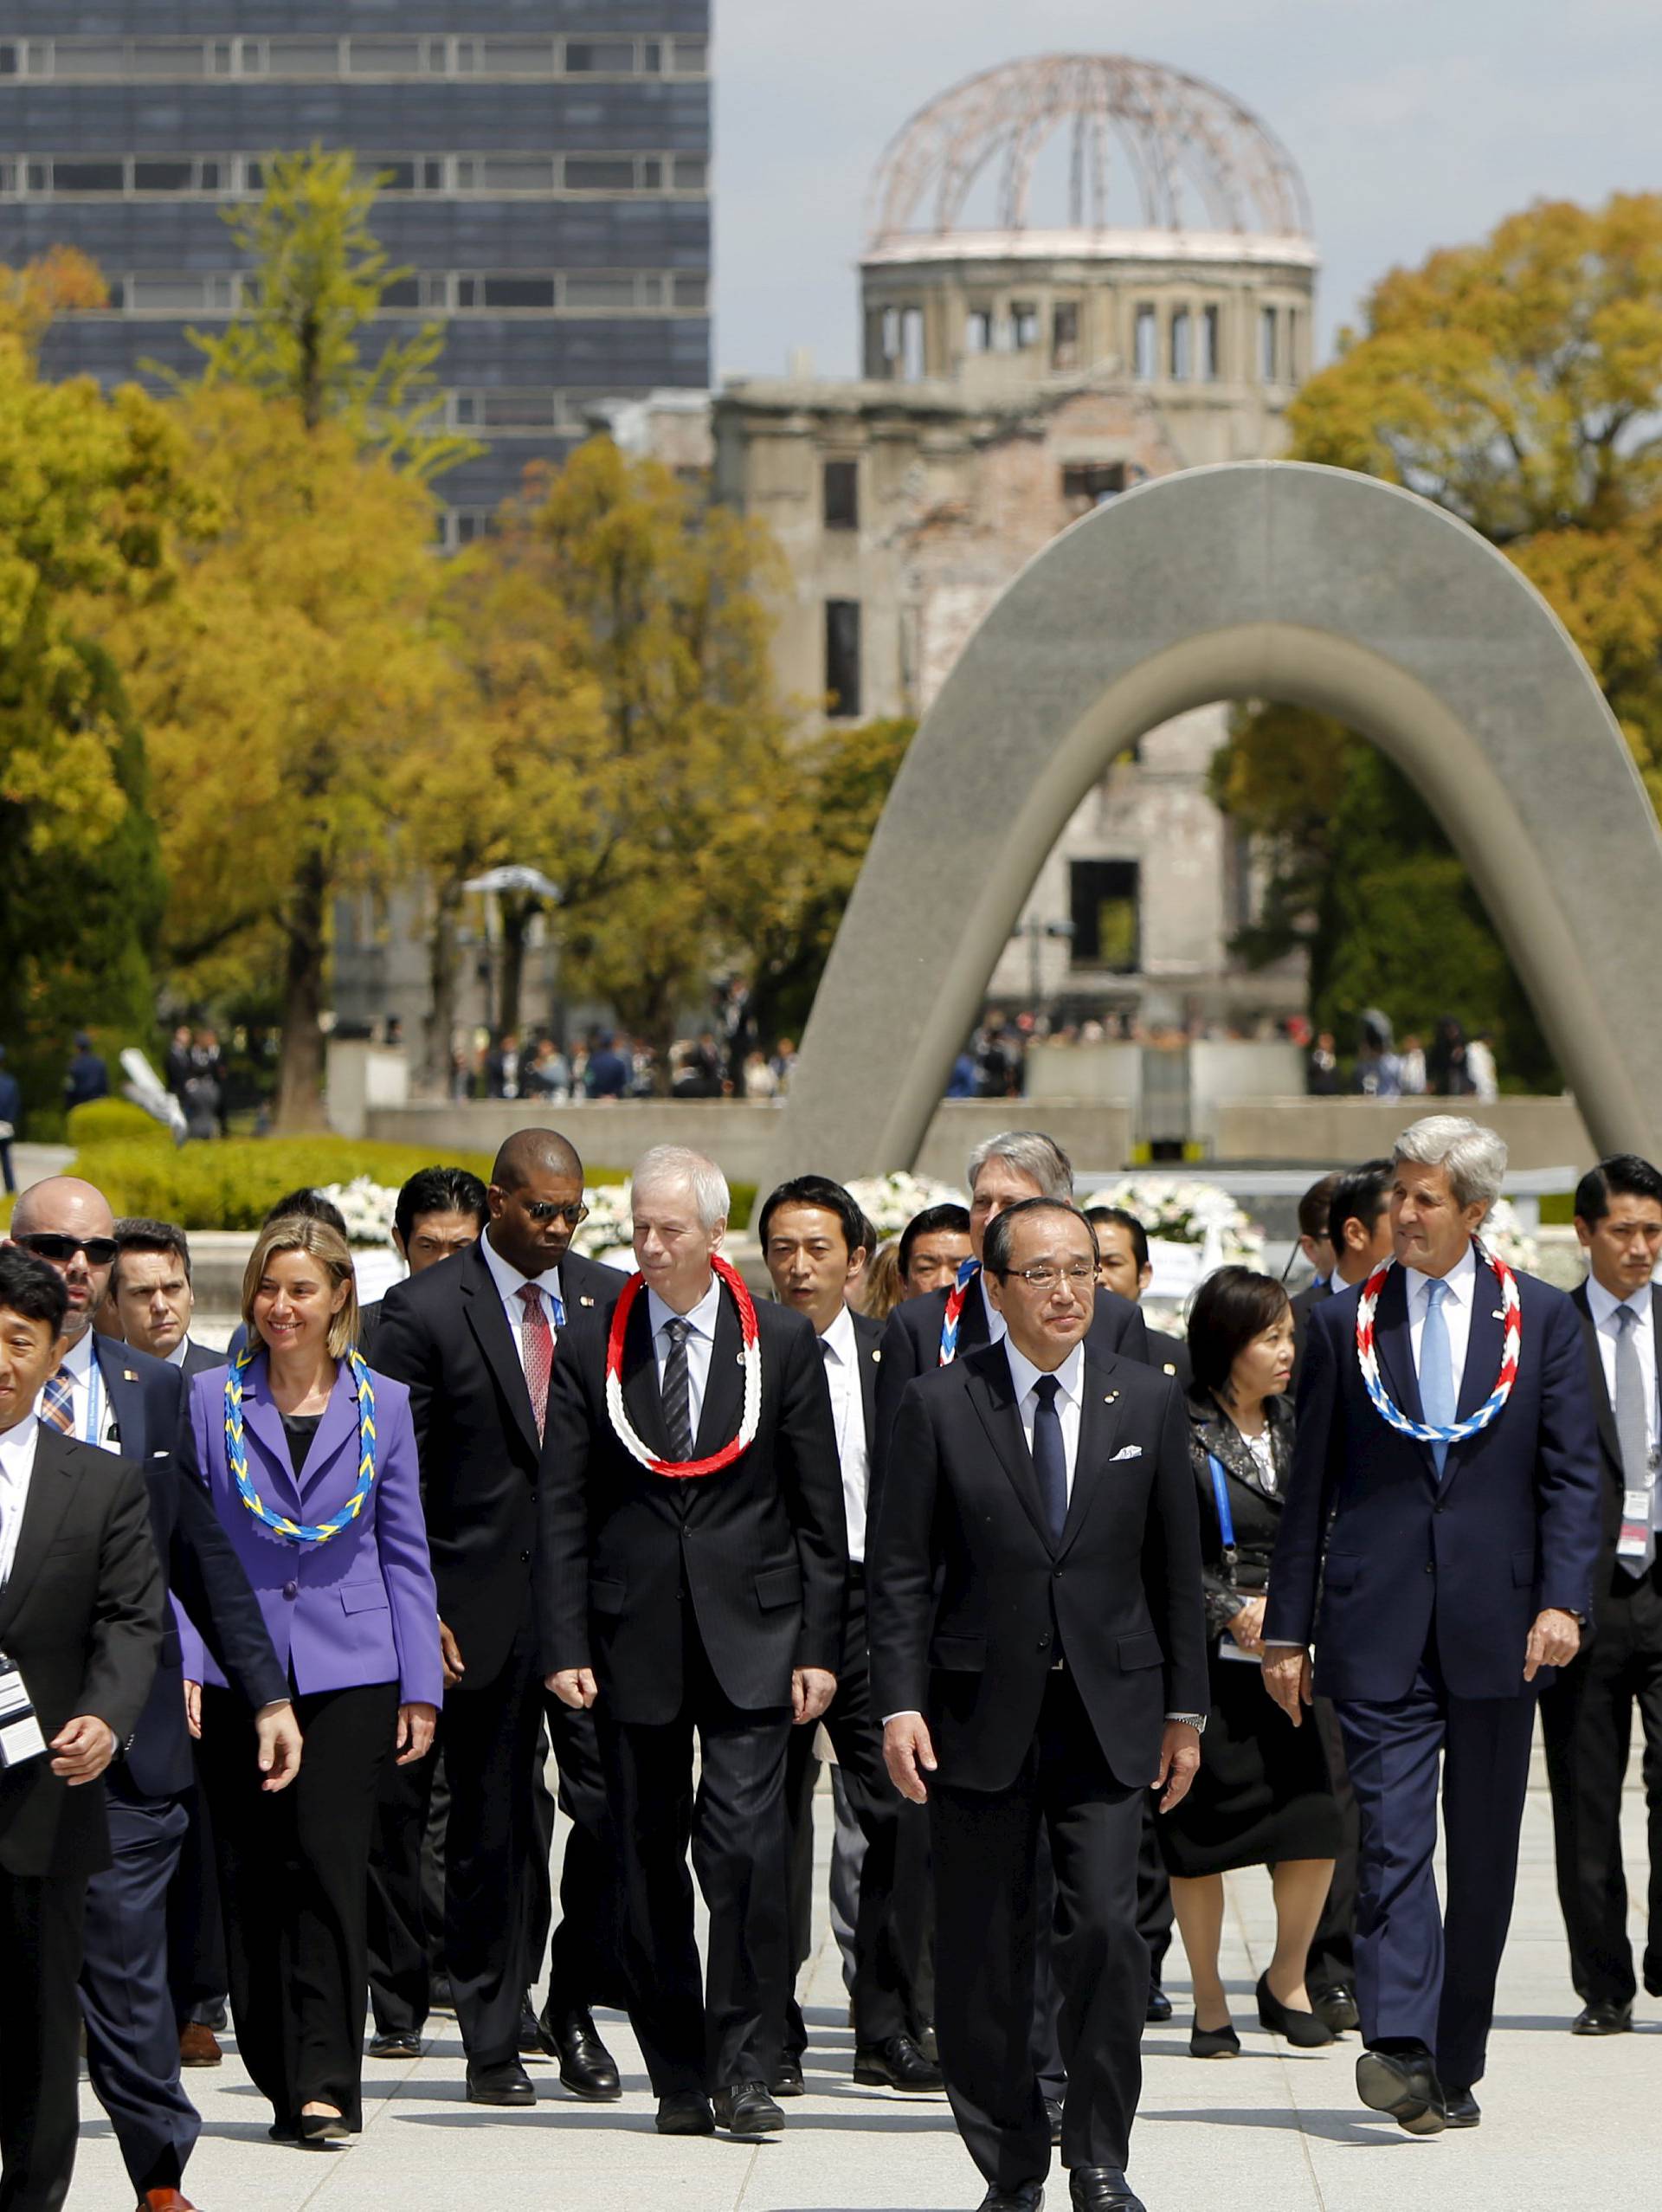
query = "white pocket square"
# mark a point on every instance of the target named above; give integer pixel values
(1127, 1452)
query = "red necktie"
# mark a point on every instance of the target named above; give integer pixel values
(539, 1351)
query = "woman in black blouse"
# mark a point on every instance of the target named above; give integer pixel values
(1261, 1797)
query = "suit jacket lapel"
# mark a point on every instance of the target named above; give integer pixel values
(51, 1486)
(723, 1390)
(972, 1322)
(993, 1396)
(640, 1393)
(1393, 1346)
(1099, 1426)
(337, 1428)
(1603, 1411)
(1483, 1345)
(490, 1327)
(867, 1340)
(126, 1400)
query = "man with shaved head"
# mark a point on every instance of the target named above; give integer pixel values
(476, 1339)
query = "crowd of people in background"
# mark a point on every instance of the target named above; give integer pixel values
(1454, 1064)
(527, 1508)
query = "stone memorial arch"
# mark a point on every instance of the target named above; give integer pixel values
(1264, 580)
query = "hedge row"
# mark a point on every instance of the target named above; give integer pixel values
(234, 1184)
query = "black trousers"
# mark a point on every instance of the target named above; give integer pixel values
(1587, 1721)
(406, 1892)
(132, 2030)
(1332, 1957)
(988, 1915)
(583, 1947)
(735, 1825)
(40, 2028)
(294, 1872)
(881, 1998)
(195, 1926)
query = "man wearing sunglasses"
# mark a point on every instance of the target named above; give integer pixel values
(110, 1395)
(475, 1339)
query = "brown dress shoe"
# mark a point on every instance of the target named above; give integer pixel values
(198, 2046)
(165, 2200)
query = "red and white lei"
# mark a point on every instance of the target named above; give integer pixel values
(687, 1470)
(1424, 1432)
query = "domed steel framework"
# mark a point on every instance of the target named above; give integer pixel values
(1197, 158)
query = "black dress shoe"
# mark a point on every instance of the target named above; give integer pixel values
(1462, 2107)
(1603, 2019)
(788, 2079)
(1337, 2007)
(1158, 2010)
(325, 2127)
(398, 2043)
(1405, 2086)
(505, 2083)
(587, 2067)
(533, 2041)
(439, 1995)
(1305, 2031)
(686, 2112)
(925, 2039)
(898, 2063)
(1213, 2042)
(1030, 2199)
(1053, 2114)
(1102, 2189)
(747, 2109)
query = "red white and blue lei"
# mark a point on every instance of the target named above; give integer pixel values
(968, 1271)
(1423, 1432)
(751, 1358)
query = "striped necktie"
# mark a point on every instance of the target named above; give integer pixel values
(58, 1402)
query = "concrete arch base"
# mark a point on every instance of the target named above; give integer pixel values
(1265, 579)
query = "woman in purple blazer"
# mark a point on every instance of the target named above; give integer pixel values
(310, 1460)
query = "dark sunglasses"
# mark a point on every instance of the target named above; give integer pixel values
(46, 1244)
(541, 1210)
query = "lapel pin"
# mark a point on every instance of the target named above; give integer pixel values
(127, 1375)
(585, 1301)
(1111, 1395)
(739, 1357)
(877, 1351)
(1497, 1315)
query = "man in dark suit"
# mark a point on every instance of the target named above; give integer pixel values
(86, 1077)
(814, 1240)
(1126, 1268)
(154, 1299)
(133, 2037)
(1447, 1527)
(1038, 1658)
(1003, 1171)
(1586, 1717)
(679, 1597)
(474, 1339)
(1316, 1244)
(81, 1611)
(442, 1211)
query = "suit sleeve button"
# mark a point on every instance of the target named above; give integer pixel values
(524, 1559)
(1044, 1644)
(291, 1589)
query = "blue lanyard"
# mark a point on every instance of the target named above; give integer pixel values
(1220, 1491)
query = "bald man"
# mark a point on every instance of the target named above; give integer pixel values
(475, 1338)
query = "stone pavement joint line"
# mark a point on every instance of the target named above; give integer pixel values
(1565, 2119)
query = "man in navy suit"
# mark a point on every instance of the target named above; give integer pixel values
(1437, 1546)
(110, 1395)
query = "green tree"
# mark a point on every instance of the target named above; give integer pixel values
(1516, 381)
(95, 490)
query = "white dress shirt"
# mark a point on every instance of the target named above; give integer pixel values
(840, 1349)
(1462, 1280)
(175, 1357)
(1604, 1309)
(16, 1466)
(700, 1342)
(1070, 1399)
(509, 1282)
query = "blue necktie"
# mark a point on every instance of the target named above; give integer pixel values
(1438, 1396)
(1049, 1455)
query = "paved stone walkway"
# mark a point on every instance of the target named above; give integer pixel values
(1566, 2122)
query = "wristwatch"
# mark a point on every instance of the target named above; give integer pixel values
(1195, 1720)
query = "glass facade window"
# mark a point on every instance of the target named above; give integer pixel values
(841, 492)
(1064, 334)
(599, 57)
(1145, 345)
(598, 174)
(1269, 343)
(1181, 361)
(384, 57)
(303, 57)
(164, 177)
(596, 291)
(842, 658)
(162, 64)
(1211, 344)
(93, 61)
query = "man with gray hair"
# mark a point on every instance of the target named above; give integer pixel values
(693, 1555)
(1437, 1547)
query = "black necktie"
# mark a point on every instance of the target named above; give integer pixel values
(677, 1392)
(1049, 1455)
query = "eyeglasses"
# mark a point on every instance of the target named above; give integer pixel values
(1047, 1278)
(540, 1209)
(46, 1244)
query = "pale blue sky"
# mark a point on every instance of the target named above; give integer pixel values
(1417, 123)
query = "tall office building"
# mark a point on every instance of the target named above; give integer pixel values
(547, 166)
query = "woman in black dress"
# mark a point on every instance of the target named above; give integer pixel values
(1261, 1797)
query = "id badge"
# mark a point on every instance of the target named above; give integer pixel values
(1635, 1539)
(1229, 1649)
(20, 1733)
